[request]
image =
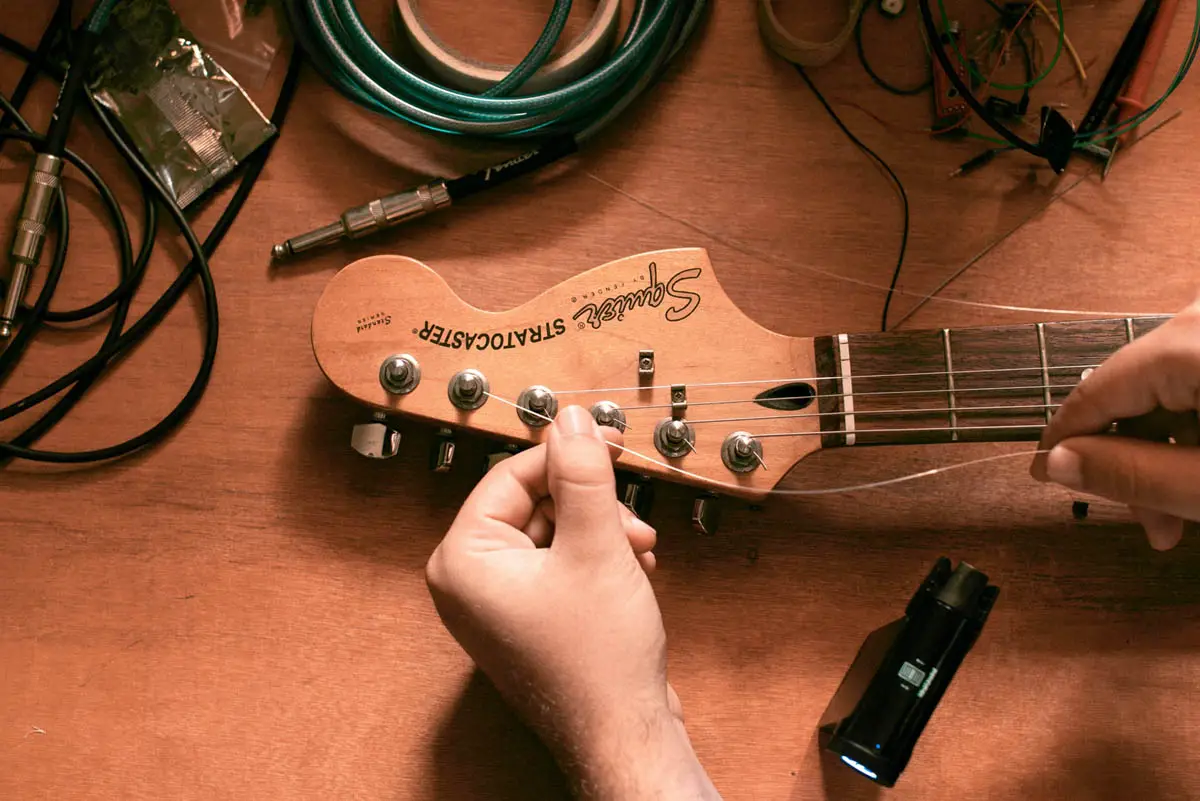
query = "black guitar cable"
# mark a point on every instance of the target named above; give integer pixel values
(891, 174)
(119, 340)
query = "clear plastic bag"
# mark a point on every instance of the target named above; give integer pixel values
(244, 35)
(186, 114)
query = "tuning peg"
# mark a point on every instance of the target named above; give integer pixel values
(706, 514)
(441, 456)
(496, 457)
(376, 439)
(637, 493)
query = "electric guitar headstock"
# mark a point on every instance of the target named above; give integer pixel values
(649, 343)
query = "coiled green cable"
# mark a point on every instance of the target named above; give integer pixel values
(333, 36)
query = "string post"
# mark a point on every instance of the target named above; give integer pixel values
(674, 438)
(607, 413)
(741, 452)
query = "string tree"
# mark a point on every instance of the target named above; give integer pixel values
(645, 364)
(678, 401)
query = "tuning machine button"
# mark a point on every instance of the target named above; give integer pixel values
(742, 452)
(399, 374)
(607, 413)
(535, 405)
(468, 390)
(441, 455)
(674, 438)
(496, 457)
(376, 439)
(706, 514)
(636, 493)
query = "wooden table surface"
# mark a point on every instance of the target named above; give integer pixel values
(240, 612)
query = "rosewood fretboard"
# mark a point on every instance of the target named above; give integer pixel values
(968, 384)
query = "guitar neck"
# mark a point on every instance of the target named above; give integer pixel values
(958, 385)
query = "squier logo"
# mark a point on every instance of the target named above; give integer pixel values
(683, 303)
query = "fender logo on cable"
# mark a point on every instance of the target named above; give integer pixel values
(499, 168)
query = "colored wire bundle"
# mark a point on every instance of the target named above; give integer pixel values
(120, 339)
(348, 56)
(1040, 149)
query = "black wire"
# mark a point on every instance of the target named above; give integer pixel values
(875, 78)
(61, 18)
(1027, 54)
(891, 174)
(119, 342)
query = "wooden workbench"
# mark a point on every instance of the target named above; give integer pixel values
(240, 612)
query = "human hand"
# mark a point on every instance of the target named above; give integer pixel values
(542, 580)
(1151, 388)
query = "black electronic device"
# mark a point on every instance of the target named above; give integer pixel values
(903, 669)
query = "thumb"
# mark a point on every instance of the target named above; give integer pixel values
(579, 474)
(1151, 475)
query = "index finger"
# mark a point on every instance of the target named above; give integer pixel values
(1162, 369)
(502, 503)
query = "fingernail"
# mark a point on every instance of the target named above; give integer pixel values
(1063, 466)
(575, 422)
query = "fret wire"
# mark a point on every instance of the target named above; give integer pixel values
(933, 373)
(876, 412)
(1045, 364)
(856, 395)
(950, 379)
(1039, 427)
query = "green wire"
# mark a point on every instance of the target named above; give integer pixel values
(538, 55)
(345, 52)
(100, 12)
(1011, 87)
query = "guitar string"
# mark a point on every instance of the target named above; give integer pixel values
(931, 373)
(856, 395)
(887, 482)
(874, 412)
(914, 430)
(746, 250)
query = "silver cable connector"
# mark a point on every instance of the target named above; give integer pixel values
(374, 216)
(30, 234)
